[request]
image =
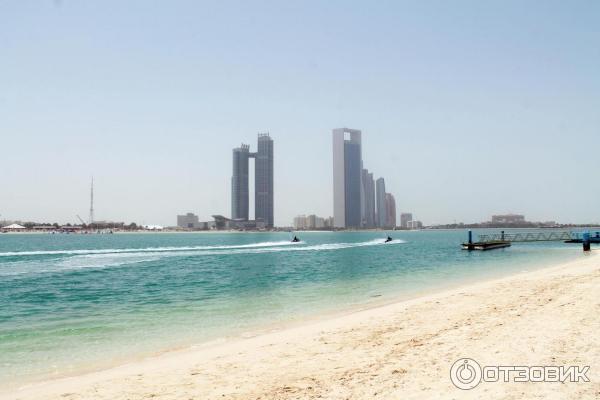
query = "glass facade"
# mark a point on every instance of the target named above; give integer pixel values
(263, 180)
(352, 184)
(381, 204)
(239, 183)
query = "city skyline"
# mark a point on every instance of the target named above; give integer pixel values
(150, 100)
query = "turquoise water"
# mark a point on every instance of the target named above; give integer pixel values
(77, 302)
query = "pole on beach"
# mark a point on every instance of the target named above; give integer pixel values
(586, 241)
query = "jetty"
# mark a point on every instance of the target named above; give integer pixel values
(488, 244)
(503, 239)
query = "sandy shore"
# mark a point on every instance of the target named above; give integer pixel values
(402, 350)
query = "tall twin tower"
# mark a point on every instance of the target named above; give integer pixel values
(263, 181)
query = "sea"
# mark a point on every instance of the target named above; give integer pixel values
(71, 303)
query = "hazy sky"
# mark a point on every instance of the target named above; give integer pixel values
(467, 108)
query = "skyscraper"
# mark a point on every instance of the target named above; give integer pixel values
(368, 199)
(347, 177)
(263, 181)
(239, 183)
(381, 204)
(390, 203)
(405, 218)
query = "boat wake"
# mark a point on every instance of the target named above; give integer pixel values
(145, 250)
(109, 258)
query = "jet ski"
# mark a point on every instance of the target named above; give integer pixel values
(295, 239)
(389, 239)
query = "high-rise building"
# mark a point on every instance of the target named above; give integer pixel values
(381, 204)
(368, 199)
(239, 183)
(415, 225)
(310, 222)
(263, 182)
(390, 203)
(405, 218)
(300, 222)
(329, 222)
(347, 177)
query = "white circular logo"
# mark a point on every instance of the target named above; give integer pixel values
(465, 373)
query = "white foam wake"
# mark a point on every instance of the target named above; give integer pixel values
(146, 250)
(299, 246)
(110, 258)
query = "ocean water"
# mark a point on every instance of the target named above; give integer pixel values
(72, 303)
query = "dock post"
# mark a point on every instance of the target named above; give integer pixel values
(586, 241)
(470, 237)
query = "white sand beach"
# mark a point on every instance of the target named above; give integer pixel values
(401, 350)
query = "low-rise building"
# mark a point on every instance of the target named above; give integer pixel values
(189, 221)
(508, 219)
(224, 223)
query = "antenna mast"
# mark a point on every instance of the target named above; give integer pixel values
(92, 202)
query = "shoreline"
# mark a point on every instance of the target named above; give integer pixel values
(294, 331)
(259, 329)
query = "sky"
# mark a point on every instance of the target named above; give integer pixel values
(467, 108)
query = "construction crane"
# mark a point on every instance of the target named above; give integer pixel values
(79, 218)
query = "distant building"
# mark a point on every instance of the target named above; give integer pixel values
(508, 219)
(263, 181)
(13, 228)
(347, 171)
(314, 222)
(221, 223)
(415, 225)
(188, 221)
(239, 183)
(329, 222)
(390, 203)
(319, 223)
(368, 217)
(311, 222)
(405, 218)
(381, 204)
(300, 222)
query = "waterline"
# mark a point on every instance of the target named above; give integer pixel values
(74, 302)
